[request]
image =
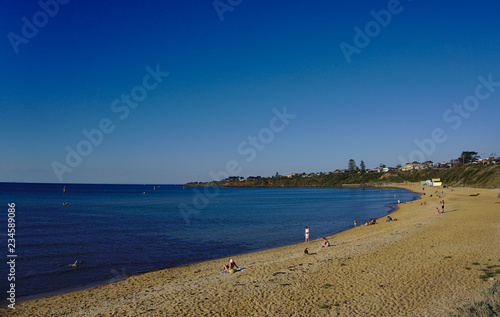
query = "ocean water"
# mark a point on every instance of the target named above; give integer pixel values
(120, 230)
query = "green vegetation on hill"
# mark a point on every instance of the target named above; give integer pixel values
(475, 175)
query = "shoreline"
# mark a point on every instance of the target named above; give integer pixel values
(392, 208)
(285, 268)
(361, 185)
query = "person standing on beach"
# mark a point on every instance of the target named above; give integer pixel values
(354, 223)
(306, 234)
(442, 205)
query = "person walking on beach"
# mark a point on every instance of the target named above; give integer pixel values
(442, 205)
(306, 234)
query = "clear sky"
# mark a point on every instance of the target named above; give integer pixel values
(166, 92)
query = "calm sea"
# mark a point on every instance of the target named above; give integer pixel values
(120, 230)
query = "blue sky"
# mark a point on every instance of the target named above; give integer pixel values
(230, 70)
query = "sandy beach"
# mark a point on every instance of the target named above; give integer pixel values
(420, 265)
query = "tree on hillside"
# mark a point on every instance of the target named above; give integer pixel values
(352, 165)
(362, 165)
(468, 157)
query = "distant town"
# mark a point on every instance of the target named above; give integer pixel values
(452, 171)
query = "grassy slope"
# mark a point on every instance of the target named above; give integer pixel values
(475, 175)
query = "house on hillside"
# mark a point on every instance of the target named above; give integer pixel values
(494, 160)
(444, 165)
(409, 167)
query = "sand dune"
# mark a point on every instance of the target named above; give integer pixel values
(420, 265)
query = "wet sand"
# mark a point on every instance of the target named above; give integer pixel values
(420, 265)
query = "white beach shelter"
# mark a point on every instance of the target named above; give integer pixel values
(436, 182)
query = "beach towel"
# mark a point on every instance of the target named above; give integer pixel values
(237, 270)
(336, 244)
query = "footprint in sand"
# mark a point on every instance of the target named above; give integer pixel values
(274, 274)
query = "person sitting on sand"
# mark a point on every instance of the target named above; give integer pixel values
(325, 243)
(366, 223)
(389, 219)
(230, 267)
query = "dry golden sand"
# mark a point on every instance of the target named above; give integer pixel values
(415, 266)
